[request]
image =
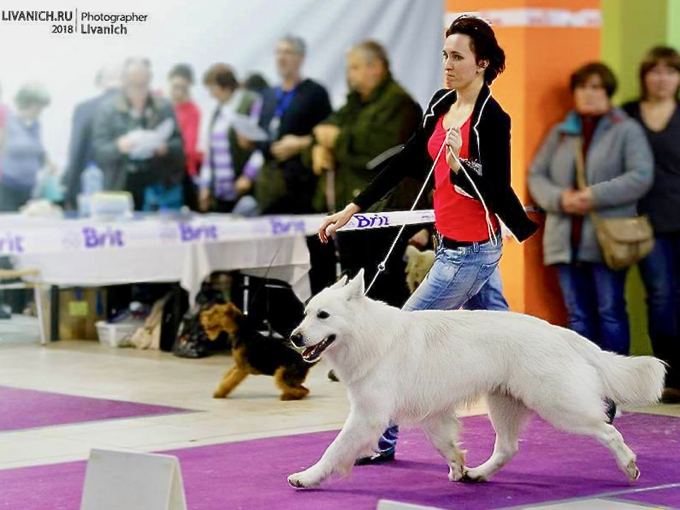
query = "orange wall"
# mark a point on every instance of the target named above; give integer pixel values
(534, 92)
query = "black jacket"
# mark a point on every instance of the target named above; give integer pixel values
(288, 187)
(488, 165)
(80, 149)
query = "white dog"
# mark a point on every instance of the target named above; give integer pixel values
(418, 367)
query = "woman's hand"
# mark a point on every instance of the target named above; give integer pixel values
(453, 144)
(584, 200)
(243, 185)
(244, 143)
(125, 144)
(577, 202)
(289, 146)
(322, 159)
(420, 239)
(326, 135)
(335, 221)
(204, 200)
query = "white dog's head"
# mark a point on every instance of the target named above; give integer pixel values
(327, 321)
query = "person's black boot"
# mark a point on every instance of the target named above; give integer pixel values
(377, 458)
(611, 410)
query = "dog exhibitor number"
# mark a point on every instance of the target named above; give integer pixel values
(62, 29)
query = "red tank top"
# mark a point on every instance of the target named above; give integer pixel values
(457, 216)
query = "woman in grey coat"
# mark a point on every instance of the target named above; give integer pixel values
(619, 169)
(24, 153)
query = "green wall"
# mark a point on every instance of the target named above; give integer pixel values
(629, 29)
(673, 24)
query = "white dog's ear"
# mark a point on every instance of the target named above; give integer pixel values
(340, 283)
(355, 288)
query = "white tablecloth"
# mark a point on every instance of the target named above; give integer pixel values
(188, 264)
(169, 249)
(157, 250)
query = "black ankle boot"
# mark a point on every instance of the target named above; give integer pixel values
(611, 410)
(377, 458)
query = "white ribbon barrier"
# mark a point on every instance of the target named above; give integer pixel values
(28, 235)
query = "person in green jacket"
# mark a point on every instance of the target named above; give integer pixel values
(378, 118)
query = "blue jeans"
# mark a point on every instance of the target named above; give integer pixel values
(465, 277)
(660, 272)
(158, 197)
(594, 297)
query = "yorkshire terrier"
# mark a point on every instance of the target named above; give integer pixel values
(417, 267)
(254, 353)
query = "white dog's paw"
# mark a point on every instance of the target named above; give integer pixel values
(456, 473)
(303, 480)
(473, 475)
(632, 471)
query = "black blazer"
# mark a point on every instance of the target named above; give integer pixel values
(80, 149)
(310, 106)
(488, 166)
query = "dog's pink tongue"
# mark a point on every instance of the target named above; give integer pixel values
(309, 351)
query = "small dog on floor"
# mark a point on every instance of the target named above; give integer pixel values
(418, 265)
(418, 367)
(254, 353)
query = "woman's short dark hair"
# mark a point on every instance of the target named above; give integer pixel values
(584, 73)
(482, 42)
(221, 75)
(255, 82)
(183, 71)
(655, 56)
(32, 94)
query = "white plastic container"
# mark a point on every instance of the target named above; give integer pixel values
(111, 205)
(118, 334)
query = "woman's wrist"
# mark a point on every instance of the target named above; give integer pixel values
(352, 208)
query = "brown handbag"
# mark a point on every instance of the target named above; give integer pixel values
(624, 241)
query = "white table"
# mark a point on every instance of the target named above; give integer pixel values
(188, 264)
(186, 249)
(157, 251)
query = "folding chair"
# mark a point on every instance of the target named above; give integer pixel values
(30, 280)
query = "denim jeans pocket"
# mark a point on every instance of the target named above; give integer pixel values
(452, 256)
(483, 274)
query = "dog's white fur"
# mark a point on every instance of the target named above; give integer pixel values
(417, 367)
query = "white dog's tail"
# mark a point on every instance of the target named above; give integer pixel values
(626, 380)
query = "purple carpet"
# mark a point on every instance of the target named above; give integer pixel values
(550, 466)
(25, 409)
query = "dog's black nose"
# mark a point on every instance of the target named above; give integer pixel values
(297, 339)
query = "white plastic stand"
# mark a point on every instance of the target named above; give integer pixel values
(386, 504)
(134, 481)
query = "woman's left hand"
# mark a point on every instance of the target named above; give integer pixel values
(289, 146)
(453, 144)
(583, 200)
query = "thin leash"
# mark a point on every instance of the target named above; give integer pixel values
(489, 225)
(246, 284)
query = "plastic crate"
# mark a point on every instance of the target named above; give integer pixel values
(117, 334)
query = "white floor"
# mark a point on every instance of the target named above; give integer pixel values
(87, 368)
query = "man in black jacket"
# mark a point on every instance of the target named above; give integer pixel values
(80, 149)
(126, 166)
(289, 112)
